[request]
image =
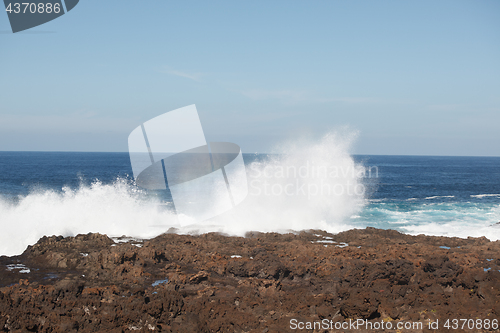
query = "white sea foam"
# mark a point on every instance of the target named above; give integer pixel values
(315, 200)
(485, 195)
(114, 209)
(310, 185)
(440, 196)
(120, 208)
(454, 219)
(455, 229)
(126, 240)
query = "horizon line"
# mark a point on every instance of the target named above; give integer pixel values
(116, 152)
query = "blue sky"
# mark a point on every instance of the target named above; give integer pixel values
(412, 77)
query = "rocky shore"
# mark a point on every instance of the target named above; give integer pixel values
(259, 283)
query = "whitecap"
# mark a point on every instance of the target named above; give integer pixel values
(480, 196)
(440, 196)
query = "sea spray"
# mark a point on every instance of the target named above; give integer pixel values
(305, 185)
(115, 209)
(312, 185)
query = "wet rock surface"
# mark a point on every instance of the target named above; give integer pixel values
(215, 283)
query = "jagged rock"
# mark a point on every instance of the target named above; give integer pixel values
(214, 283)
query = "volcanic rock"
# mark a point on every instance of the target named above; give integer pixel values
(257, 283)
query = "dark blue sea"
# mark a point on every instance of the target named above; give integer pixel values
(71, 192)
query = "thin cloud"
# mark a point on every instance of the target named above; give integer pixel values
(192, 76)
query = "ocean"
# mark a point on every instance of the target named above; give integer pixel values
(67, 193)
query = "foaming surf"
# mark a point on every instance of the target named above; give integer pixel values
(113, 209)
(452, 219)
(305, 184)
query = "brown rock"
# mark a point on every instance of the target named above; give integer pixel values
(181, 283)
